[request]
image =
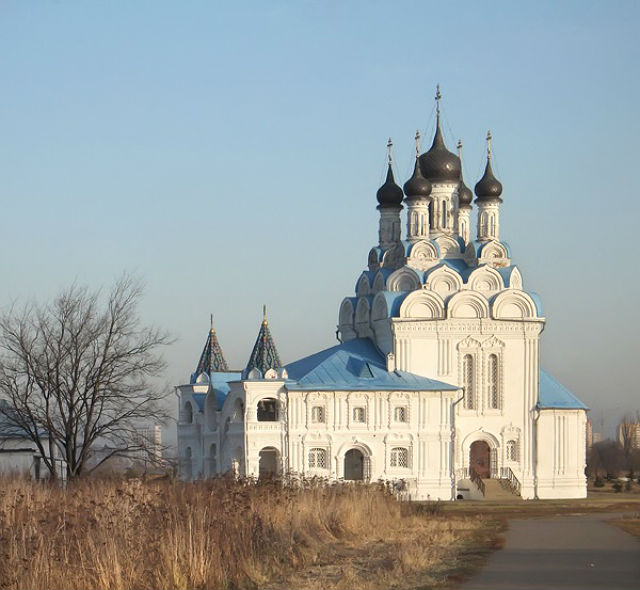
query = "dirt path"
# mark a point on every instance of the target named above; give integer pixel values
(577, 552)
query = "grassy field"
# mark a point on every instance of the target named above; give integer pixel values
(223, 534)
(126, 534)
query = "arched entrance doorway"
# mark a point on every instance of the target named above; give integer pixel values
(480, 458)
(354, 465)
(268, 462)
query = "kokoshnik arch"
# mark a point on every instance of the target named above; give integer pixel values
(436, 383)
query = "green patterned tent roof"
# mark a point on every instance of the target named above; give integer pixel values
(264, 355)
(212, 359)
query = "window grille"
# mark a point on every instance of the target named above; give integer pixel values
(400, 414)
(399, 457)
(317, 458)
(358, 415)
(317, 414)
(492, 382)
(512, 450)
(467, 381)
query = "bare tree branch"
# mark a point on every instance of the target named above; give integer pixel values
(78, 371)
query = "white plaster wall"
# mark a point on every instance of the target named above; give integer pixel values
(561, 454)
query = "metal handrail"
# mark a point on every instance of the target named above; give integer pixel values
(476, 479)
(508, 474)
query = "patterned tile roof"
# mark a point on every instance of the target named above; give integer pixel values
(212, 359)
(264, 355)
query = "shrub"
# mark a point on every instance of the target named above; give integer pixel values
(617, 487)
(599, 482)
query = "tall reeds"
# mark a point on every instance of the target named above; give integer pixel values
(126, 534)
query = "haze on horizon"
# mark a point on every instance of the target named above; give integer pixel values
(229, 154)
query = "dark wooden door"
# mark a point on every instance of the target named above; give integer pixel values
(354, 465)
(480, 458)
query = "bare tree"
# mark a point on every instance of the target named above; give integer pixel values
(81, 370)
(627, 434)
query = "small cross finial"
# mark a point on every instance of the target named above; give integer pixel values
(460, 149)
(489, 137)
(211, 317)
(389, 148)
(264, 314)
(438, 97)
(417, 138)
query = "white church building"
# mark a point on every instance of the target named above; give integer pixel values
(436, 383)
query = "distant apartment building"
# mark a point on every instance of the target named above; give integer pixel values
(629, 431)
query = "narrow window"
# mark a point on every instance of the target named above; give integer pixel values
(512, 451)
(399, 457)
(400, 414)
(317, 458)
(444, 214)
(414, 223)
(358, 415)
(467, 381)
(430, 213)
(492, 382)
(317, 414)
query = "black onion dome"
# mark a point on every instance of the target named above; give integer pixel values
(465, 196)
(439, 164)
(488, 187)
(417, 186)
(390, 194)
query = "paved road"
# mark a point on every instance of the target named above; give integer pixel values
(566, 552)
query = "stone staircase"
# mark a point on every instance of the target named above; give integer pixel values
(498, 490)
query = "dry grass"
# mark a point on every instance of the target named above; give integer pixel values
(222, 534)
(629, 523)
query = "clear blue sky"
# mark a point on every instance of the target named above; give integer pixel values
(229, 154)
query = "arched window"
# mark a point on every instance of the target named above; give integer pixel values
(492, 382)
(238, 411)
(512, 451)
(188, 413)
(399, 457)
(414, 223)
(430, 213)
(483, 224)
(359, 415)
(213, 463)
(468, 381)
(444, 214)
(492, 225)
(317, 414)
(187, 467)
(317, 458)
(267, 410)
(400, 414)
(423, 225)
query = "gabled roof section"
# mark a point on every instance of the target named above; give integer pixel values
(554, 395)
(264, 355)
(212, 359)
(352, 366)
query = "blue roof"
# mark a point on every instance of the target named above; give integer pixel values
(221, 386)
(537, 300)
(394, 301)
(555, 395)
(355, 365)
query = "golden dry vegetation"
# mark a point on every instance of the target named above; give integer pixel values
(125, 534)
